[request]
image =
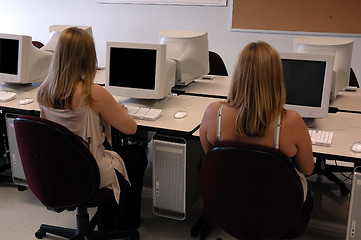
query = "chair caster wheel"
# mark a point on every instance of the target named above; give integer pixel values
(345, 191)
(40, 234)
(21, 188)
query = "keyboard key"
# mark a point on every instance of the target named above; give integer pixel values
(321, 138)
(152, 114)
(6, 96)
(143, 112)
(132, 110)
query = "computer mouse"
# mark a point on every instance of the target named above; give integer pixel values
(356, 147)
(180, 114)
(25, 101)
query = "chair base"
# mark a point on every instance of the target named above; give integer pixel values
(73, 234)
(85, 229)
(202, 228)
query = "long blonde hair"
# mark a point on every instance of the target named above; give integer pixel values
(257, 89)
(74, 61)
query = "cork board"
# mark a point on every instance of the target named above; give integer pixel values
(324, 16)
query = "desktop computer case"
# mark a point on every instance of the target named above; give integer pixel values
(17, 171)
(354, 215)
(176, 180)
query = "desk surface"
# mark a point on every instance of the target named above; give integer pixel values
(193, 105)
(217, 87)
(348, 100)
(347, 130)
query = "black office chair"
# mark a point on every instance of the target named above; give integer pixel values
(253, 192)
(216, 65)
(63, 174)
(353, 79)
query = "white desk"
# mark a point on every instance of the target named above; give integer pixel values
(348, 100)
(193, 105)
(27, 91)
(347, 130)
(217, 87)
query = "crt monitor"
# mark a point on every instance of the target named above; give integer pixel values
(20, 61)
(138, 70)
(189, 49)
(341, 48)
(56, 30)
(308, 79)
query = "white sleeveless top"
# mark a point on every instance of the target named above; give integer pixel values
(84, 122)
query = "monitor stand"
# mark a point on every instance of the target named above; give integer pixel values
(309, 122)
(150, 103)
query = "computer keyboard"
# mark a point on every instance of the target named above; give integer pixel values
(6, 96)
(321, 138)
(143, 113)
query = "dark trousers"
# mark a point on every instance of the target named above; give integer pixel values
(126, 214)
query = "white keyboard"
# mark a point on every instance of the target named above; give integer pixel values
(321, 138)
(143, 113)
(6, 96)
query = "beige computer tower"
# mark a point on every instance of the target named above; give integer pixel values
(176, 175)
(17, 171)
(354, 215)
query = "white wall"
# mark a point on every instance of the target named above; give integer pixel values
(139, 23)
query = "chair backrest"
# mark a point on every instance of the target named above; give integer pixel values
(216, 65)
(353, 79)
(251, 192)
(58, 167)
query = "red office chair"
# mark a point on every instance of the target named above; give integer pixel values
(63, 174)
(253, 192)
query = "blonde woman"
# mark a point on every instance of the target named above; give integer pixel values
(254, 112)
(69, 97)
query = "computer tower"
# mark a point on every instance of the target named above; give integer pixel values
(17, 171)
(354, 213)
(176, 175)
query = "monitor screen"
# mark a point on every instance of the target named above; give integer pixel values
(139, 70)
(9, 56)
(131, 59)
(308, 79)
(304, 78)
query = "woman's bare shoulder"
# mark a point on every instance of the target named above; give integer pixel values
(213, 107)
(293, 117)
(98, 91)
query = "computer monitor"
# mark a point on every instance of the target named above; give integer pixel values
(308, 79)
(341, 48)
(138, 70)
(56, 30)
(20, 61)
(189, 49)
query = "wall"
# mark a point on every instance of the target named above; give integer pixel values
(139, 23)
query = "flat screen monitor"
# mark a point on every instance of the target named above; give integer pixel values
(189, 49)
(138, 70)
(20, 61)
(340, 48)
(308, 79)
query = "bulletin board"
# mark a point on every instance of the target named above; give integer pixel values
(320, 16)
(171, 2)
